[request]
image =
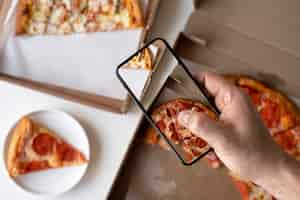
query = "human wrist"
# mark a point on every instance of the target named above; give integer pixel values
(272, 168)
(280, 175)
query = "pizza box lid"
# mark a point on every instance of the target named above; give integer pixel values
(235, 37)
(84, 78)
(264, 44)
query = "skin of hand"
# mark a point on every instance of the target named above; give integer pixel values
(241, 140)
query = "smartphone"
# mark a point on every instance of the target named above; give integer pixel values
(158, 80)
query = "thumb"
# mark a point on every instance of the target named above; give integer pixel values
(202, 126)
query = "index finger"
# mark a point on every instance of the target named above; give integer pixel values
(219, 87)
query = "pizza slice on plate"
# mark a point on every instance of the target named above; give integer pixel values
(57, 17)
(33, 147)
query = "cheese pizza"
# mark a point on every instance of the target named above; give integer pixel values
(33, 147)
(56, 17)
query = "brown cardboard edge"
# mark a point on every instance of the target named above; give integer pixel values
(101, 102)
(98, 101)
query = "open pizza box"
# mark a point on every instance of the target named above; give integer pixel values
(228, 39)
(77, 67)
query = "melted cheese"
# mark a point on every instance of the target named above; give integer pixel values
(124, 18)
(57, 15)
(106, 22)
(79, 24)
(67, 3)
(51, 29)
(65, 28)
(36, 28)
(94, 5)
(39, 16)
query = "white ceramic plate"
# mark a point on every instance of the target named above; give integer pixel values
(56, 181)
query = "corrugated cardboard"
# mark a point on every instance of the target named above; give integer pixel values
(258, 38)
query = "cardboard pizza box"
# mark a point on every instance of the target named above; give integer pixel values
(80, 67)
(255, 38)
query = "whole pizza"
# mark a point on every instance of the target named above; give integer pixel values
(278, 113)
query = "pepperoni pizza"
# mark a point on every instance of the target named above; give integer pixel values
(34, 147)
(281, 117)
(165, 117)
(278, 113)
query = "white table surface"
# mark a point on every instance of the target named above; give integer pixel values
(106, 156)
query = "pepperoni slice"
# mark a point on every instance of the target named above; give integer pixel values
(161, 125)
(171, 112)
(184, 106)
(270, 113)
(33, 166)
(174, 136)
(66, 152)
(43, 144)
(286, 140)
(243, 189)
(196, 141)
(256, 98)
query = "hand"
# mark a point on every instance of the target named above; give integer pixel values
(239, 138)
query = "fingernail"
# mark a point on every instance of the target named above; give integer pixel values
(184, 117)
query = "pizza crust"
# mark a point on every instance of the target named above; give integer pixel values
(23, 127)
(136, 13)
(22, 16)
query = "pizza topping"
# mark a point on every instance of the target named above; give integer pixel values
(195, 141)
(172, 133)
(165, 117)
(243, 188)
(270, 113)
(287, 121)
(43, 144)
(32, 166)
(161, 125)
(67, 4)
(64, 28)
(58, 15)
(286, 140)
(79, 24)
(36, 27)
(186, 106)
(66, 152)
